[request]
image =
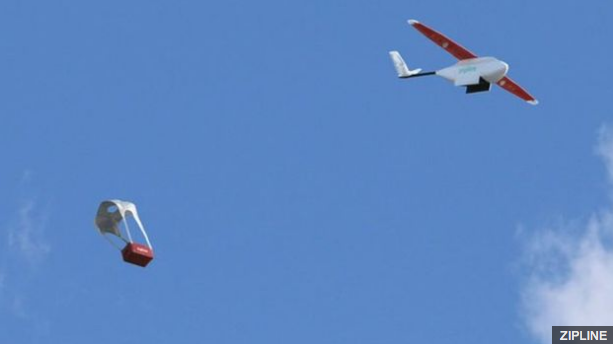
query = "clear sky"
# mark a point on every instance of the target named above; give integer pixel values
(294, 189)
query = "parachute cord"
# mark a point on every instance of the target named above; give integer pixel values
(142, 230)
(113, 243)
(125, 223)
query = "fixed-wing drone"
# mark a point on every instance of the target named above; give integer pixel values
(476, 73)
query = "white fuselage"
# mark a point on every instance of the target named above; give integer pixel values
(469, 71)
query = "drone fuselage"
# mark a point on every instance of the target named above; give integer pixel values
(475, 71)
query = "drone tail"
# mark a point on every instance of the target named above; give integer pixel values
(401, 67)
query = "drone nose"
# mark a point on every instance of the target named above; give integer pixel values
(506, 67)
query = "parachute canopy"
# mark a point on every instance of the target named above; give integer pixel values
(108, 220)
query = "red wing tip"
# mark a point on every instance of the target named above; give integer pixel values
(533, 102)
(413, 21)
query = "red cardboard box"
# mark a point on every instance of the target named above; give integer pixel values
(137, 254)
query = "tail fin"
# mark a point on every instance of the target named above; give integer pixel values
(401, 67)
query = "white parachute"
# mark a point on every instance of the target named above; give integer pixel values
(108, 220)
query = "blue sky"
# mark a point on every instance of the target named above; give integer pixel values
(294, 189)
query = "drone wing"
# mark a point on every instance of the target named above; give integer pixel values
(517, 90)
(443, 41)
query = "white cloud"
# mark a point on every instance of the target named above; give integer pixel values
(26, 234)
(571, 268)
(23, 249)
